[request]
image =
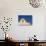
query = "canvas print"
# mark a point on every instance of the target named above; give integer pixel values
(25, 20)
